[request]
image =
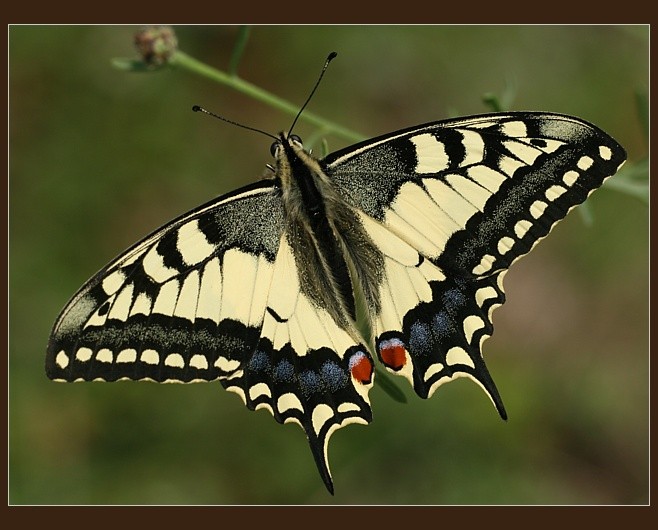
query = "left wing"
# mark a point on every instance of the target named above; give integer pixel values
(215, 294)
(451, 205)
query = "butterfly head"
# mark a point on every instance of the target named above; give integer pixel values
(290, 157)
(285, 142)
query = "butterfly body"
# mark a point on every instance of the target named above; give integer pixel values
(324, 234)
(260, 288)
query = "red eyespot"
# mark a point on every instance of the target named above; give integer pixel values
(393, 354)
(361, 368)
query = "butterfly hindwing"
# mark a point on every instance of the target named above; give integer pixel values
(431, 325)
(451, 205)
(305, 369)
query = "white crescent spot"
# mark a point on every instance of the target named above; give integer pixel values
(104, 355)
(321, 414)
(605, 152)
(226, 365)
(289, 401)
(199, 362)
(175, 360)
(83, 354)
(585, 163)
(128, 355)
(259, 389)
(457, 355)
(150, 357)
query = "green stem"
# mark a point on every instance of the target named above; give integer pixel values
(243, 37)
(182, 60)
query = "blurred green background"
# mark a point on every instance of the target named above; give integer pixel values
(100, 157)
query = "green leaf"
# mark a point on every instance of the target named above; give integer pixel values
(632, 179)
(491, 100)
(586, 214)
(387, 385)
(505, 101)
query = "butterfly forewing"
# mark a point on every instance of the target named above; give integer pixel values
(185, 304)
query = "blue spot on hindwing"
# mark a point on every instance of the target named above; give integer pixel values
(310, 382)
(260, 362)
(356, 358)
(453, 299)
(284, 371)
(442, 324)
(333, 376)
(420, 338)
(391, 343)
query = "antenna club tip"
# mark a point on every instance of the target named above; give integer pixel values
(196, 108)
(332, 56)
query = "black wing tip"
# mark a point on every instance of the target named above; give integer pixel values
(51, 369)
(317, 448)
(330, 485)
(324, 472)
(491, 389)
(501, 409)
(50, 372)
(484, 377)
(325, 475)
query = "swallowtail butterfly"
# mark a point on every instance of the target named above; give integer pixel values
(258, 288)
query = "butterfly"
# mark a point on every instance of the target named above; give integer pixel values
(263, 288)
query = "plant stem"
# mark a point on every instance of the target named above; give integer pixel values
(238, 49)
(182, 60)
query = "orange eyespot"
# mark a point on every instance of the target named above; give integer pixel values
(393, 353)
(361, 367)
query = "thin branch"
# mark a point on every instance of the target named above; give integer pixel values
(182, 60)
(238, 50)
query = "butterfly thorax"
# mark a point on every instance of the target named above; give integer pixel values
(325, 235)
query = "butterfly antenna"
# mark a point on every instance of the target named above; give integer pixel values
(196, 108)
(330, 58)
